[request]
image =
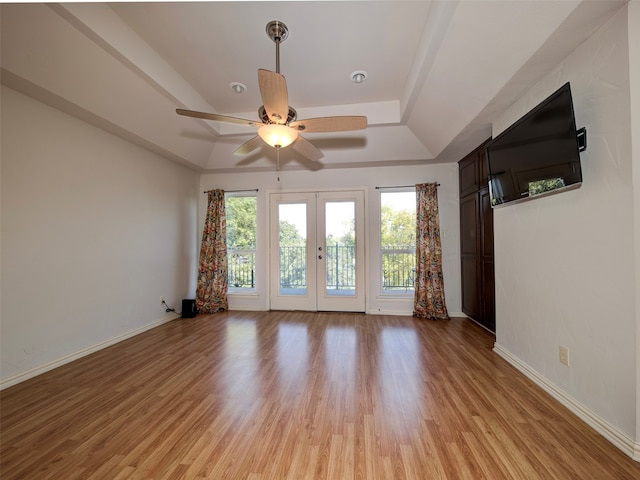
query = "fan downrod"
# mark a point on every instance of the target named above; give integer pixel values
(278, 32)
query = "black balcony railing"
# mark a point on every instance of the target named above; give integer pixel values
(293, 267)
(241, 268)
(398, 268)
(341, 267)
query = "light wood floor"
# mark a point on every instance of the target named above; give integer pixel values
(293, 395)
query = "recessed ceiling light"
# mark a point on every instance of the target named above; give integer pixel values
(358, 76)
(238, 87)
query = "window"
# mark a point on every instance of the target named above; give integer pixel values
(241, 241)
(398, 242)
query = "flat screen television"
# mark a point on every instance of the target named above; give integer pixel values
(539, 154)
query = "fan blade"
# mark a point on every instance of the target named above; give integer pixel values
(330, 124)
(273, 89)
(218, 118)
(306, 148)
(248, 146)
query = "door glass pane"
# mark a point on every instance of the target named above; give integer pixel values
(292, 244)
(340, 246)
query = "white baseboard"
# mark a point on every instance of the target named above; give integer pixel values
(248, 308)
(618, 438)
(400, 313)
(405, 313)
(34, 372)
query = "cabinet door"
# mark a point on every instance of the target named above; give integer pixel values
(468, 169)
(483, 164)
(469, 258)
(488, 296)
(476, 239)
(486, 233)
(488, 316)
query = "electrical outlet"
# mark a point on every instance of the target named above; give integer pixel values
(161, 300)
(564, 355)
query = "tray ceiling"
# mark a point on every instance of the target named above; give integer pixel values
(437, 71)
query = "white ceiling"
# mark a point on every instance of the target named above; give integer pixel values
(437, 71)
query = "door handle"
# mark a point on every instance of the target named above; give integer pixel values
(319, 257)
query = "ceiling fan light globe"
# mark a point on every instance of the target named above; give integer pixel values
(277, 135)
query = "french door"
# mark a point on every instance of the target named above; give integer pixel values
(317, 251)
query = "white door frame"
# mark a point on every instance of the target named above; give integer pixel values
(316, 297)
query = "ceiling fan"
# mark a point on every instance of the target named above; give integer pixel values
(279, 126)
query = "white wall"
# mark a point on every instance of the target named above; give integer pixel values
(369, 178)
(565, 271)
(94, 231)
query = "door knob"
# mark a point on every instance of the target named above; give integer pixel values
(319, 257)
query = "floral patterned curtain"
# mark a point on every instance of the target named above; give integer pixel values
(429, 288)
(211, 292)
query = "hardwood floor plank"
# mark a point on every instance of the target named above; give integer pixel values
(297, 395)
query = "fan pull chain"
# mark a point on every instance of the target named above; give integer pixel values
(278, 162)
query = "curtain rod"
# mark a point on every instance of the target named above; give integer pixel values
(234, 191)
(401, 186)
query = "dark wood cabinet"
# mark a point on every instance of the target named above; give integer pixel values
(476, 240)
